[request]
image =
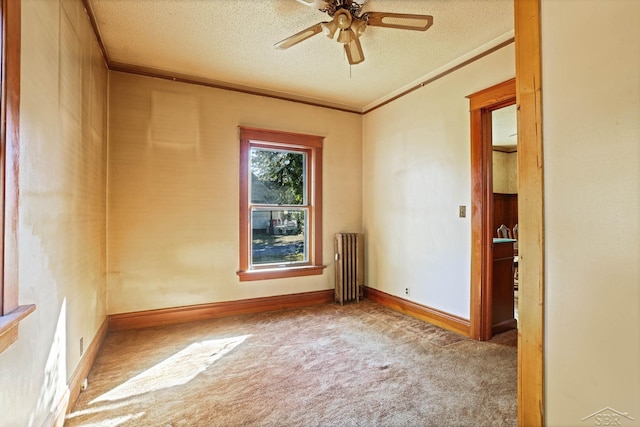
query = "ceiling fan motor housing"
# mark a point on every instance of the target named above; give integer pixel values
(346, 17)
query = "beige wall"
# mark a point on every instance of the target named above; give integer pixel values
(416, 174)
(62, 229)
(173, 190)
(505, 172)
(591, 107)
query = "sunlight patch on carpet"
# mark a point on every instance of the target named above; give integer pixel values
(176, 370)
(119, 406)
(117, 421)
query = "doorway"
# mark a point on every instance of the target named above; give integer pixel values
(504, 207)
(482, 104)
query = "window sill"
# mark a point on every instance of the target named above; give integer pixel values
(9, 325)
(279, 273)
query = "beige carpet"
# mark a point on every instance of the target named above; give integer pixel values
(357, 365)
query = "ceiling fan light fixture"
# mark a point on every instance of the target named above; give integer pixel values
(350, 22)
(345, 36)
(329, 28)
(343, 19)
(318, 4)
(358, 26)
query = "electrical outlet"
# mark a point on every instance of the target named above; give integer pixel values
(406, 291)
(463, 211)
(81, 345)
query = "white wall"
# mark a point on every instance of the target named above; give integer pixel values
(417, 171)
(62, 225)
(591, 109)
(173, 190)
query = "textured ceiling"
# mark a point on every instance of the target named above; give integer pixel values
(231, 42)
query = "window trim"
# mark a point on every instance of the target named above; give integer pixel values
(286, 140)
(10, 312)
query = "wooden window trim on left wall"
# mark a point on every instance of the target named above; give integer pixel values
(11, 313)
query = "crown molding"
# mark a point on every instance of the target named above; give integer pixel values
(473, 56)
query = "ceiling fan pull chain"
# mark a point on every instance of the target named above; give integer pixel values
(344, 56)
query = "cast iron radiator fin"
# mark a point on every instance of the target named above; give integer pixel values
(349, 250)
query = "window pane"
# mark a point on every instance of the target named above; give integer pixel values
(278, 236)
(277, 177)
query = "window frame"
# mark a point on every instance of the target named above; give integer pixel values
(277, 140)
(10, 312)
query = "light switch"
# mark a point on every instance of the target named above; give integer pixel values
(463, 211)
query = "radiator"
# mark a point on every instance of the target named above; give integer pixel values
(349, 267)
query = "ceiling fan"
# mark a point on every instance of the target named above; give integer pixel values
(349, 22)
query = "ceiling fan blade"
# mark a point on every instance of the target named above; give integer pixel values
(317, 4)
(299, 37)
(403, 21)
(354, 50)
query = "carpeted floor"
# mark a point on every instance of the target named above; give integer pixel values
(357, 365)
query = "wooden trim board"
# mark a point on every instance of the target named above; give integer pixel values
(439, 318)
(311, 147)
(94, 25)
(481, 104)
(168, 316)
(530, 214)
(10, 323)
(190, 79)
(10, 32)
(11, 313)
(68, 399)
(441, 75)
(58, 411)
(86, 363)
